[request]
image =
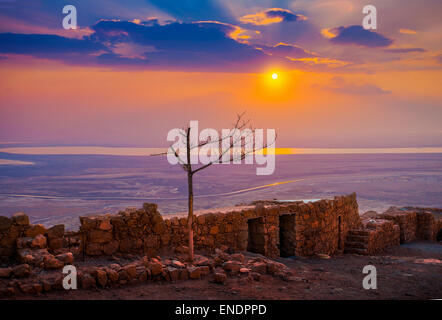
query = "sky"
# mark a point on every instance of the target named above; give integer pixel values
(135, 69)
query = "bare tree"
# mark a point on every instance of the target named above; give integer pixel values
(233, 145)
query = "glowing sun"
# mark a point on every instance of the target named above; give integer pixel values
(274, 76)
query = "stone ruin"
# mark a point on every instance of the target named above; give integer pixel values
(271, 229)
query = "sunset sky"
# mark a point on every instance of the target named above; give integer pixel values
(135, 69)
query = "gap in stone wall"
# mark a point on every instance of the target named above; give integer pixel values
(256, 239)
(287, 235)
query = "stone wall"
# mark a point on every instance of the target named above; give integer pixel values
(130, 231)
(17, 234)
(415, 223)
(382, 234)
(407, 221)
(321, 227)
(270, 228)
(318, 227)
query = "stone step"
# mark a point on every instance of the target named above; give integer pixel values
(358, 232)
(354, 244)
(356, 251)
(357, 238)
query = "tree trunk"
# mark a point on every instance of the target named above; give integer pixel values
(190, 215)
(190, 192)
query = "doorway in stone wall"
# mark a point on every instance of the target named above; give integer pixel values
(340, 246)
(256, 242)
(287, 235)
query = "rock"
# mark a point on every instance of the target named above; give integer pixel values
(178, 264)
(104, 225)
(56, 231)
(220, 277)
(255, 276)
(46, 285)
(112, 275)
(87, 281)
(205, 270)
(5, 272)
(203, 261)
(27, 288)
(322, 256)
(231, 267)
(174, 273)
(66, 258)
(142, 274)
(35, 230)
(50, 262)
(99, 236)
(237, 257)
(24, 242)
(110, 248)
(214, 230)
(21, 219)
(244, 270)
(39, 242)
(259, 267)
(115, 266)
(155, 267)
(22, 270)
(184, 274)
(101, 277)
(275, 267)
(5, 223)
(131, 270)
(194, 272)
(32, 257)
(56, 243)
(182, 249)
(93, 249)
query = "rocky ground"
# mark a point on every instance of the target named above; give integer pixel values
(412, 271)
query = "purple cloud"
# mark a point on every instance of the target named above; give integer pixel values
(288, 50)
(405, 50)
(356, 35)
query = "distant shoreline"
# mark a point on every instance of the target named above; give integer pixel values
(124, 151)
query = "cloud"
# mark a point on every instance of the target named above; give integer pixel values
(405, 50)
(273, 15)
(201, 46)
(356, 35)
(46, 44)
(339, 85)
(407, 31)
(287, 50)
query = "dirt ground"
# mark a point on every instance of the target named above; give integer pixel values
(411, 271)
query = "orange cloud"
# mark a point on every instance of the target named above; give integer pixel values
(407, 31)
(273, 15)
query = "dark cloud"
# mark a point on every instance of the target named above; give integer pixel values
(405, 50)
(286, 15)
(180, 44)
(203, 46)
(357, 35)
(288, 50)
(271, 16)
(45, 44)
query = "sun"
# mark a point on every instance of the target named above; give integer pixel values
(274, 76)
